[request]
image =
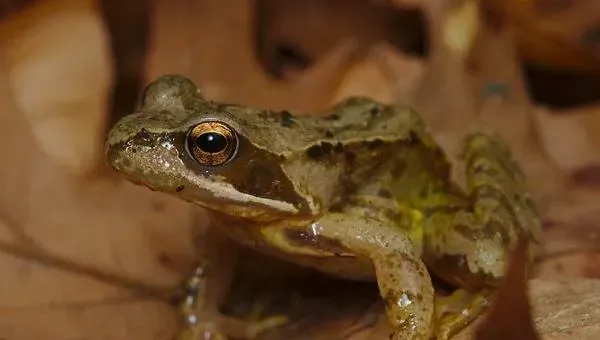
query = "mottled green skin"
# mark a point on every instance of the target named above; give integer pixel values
(363, 187)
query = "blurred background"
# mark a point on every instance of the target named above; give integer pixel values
(85, 255)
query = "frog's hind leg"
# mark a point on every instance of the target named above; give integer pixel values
(470, 248)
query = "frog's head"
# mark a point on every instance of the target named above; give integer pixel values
(181, 144)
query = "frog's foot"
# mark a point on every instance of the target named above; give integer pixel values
(456, 311)
(222, 327)
(194, 330)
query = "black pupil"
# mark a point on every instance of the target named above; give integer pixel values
(211, 142)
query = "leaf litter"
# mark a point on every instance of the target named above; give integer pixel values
(107, 242)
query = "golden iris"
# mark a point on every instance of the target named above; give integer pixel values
(212, 143)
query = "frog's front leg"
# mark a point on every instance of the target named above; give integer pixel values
(403, 280)
(470, 247)
(207, 288)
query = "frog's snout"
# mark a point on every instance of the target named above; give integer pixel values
(114, 157)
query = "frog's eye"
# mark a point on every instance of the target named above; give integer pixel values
(212, 143)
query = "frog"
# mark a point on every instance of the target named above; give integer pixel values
(362, 192)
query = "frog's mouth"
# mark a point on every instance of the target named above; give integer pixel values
(212, 195)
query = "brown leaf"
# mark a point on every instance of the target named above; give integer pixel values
(138, 239)
(570, 137)
(510, 314)
(227, 26)
(59, 89)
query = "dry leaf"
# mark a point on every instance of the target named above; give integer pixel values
(51, 137)
(571, 137)
(56, 59)
(510, 314)
(143, 240)
(560, 34)
(207, 56)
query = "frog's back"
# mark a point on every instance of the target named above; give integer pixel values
(358, 140)
(353, 119)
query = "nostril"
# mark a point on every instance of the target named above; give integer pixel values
(144, 138)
